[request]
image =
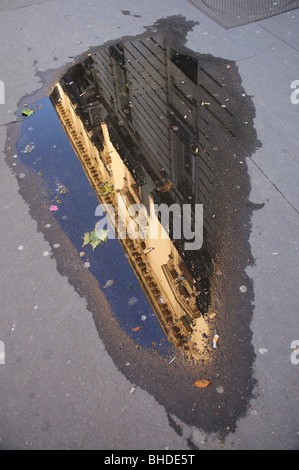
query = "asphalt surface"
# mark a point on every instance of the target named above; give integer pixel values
(60, 386)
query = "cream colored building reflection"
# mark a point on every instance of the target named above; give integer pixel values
(163, 275)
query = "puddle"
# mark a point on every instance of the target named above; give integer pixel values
(146, 121)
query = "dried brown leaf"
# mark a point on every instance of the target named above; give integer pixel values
(203, 383)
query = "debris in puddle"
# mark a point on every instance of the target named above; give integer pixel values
(82, 253)
(61, 189)
(143, 317)
(138, 328)
(132, 301)
(28, 148)
(167, 187)
(53, 208)
(145, 252)
(129, 287)
(95, 238)
(105, 189)
(171, 360)
(108, 283)
(203, 383)
(215, 340)
(27, 111)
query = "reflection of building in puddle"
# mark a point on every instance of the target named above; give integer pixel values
(159, 125)
(162, 273)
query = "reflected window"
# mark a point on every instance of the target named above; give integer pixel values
(188, 65)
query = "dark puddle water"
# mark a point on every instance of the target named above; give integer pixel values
(180, 128)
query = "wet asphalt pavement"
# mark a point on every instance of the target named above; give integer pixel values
(70, 356)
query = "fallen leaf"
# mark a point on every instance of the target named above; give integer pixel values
(86, 238)
(167, 187)
(202, 383)
(95, 238)
(101, 234)
(27, 112)
(105, 189)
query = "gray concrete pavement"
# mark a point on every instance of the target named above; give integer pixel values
(59, 387)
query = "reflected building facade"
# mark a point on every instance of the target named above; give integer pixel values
(153, 122)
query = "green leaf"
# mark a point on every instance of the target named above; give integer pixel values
(95, 238)
(86, 238)
(27, 111)
(94, 241)
(101, 234)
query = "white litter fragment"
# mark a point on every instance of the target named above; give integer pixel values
(263, 350)
(215, 340)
